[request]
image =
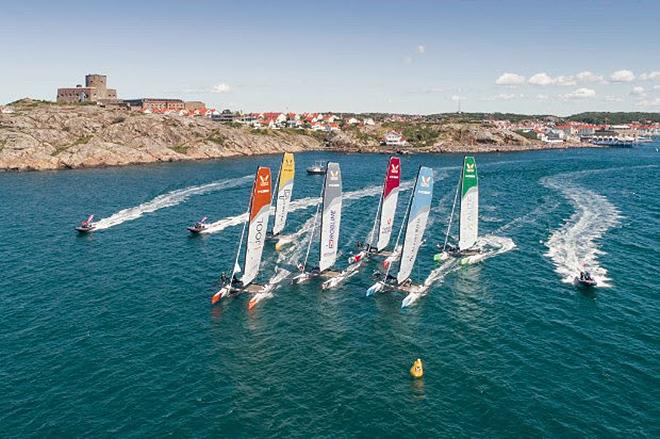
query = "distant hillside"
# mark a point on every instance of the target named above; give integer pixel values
(614, 118)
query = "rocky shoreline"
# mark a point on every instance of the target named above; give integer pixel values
(39, 136)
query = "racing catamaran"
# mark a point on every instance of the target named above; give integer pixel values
(87, 225)
(257, 224)
(383, 221)
(330, 222)
(417, 216)
(284, 191)
(469, 217)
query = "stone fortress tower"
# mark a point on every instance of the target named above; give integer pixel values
(96, 80)
(95, 90)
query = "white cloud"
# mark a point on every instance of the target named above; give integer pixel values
(566, 80)
(656, 87)
(221, 88)
(622, 76)
(542, 96)
(649, 103)
(421, 49)
(541, 79)
(456, 98)
(580, 93)
(613, 99)
(587, 76)
(503, 97)
(638, 91)
(510, 79)
(408, 60)
(651, 76)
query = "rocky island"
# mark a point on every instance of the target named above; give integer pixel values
(40, 135)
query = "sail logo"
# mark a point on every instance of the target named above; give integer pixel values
(332, 228)
(334, 175)
(387, 227)
(258, 230)
(394, 169)
(264, 180)
(426, 181)
(469, 167)
(416, 238)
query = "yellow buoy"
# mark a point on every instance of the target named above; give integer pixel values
(417, 370)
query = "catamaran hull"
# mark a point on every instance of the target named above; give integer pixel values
(228, 291)
(302, 278)
(85, 229)
(413, 292)
(465, 257)
(283, 242)
(196, 230)
(335, 279)
(224, 292)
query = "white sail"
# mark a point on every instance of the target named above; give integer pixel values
(469, 220)
(418, 214)
(331, 218)
(388, 203)
(259, 213)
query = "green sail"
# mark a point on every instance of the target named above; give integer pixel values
(469, 221)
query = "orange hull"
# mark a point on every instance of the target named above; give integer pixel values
(215, 298)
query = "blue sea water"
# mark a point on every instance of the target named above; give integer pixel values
(112, 334)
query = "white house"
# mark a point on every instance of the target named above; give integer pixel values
(554, 136)
(353, 121)
(369, 121)
(394, 138)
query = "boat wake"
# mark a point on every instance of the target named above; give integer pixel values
(574, 246)
(490, 245)
(168, 199)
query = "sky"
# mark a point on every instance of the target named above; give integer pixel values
(421, 57)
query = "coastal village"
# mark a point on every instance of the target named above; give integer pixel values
(91, 125)
(551, 130)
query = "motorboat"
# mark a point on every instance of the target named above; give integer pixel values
(585, 280)
(319, 168)
(199, 226)
(87, 225)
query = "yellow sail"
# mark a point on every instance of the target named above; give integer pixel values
(284, 191)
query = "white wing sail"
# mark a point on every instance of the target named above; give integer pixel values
(331, 218)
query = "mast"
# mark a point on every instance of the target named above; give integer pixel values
(331, 216)
(372, 232)
(469, 219)
(418, 213)
(237, 267)
(316, 216)
(453, 208)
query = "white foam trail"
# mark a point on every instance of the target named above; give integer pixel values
(271, 285)
(168, 199)
(294, 252)
(573, 247)
(490, 246)
(299, 204)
